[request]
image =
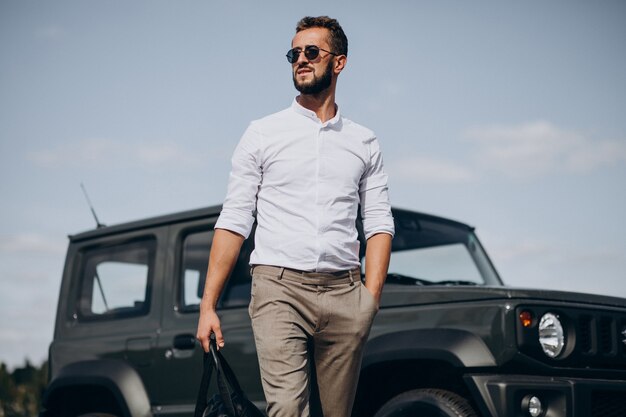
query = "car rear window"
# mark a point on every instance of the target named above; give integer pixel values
(116, 280)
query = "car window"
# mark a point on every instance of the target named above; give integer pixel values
(194, 260)
(195, 255)
(115, 280)
(427, 250)
(439, 263)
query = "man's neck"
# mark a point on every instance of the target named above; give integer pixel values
(323, 104)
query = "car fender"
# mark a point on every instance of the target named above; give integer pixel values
(116, 376)
(459, 348)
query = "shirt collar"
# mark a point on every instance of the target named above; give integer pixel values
(298, 108)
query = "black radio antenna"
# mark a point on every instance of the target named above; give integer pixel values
(98, 224)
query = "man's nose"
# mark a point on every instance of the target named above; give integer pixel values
(302, 58)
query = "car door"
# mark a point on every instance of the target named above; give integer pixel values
(178, 355)
(113, 310)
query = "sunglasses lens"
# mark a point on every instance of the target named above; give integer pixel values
(311, 52)
(292, 55)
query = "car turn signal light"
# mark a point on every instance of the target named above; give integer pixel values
(526, 318)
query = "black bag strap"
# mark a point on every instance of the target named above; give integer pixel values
(228, 373)
(227, 383)
(222, 383)
(201, 400)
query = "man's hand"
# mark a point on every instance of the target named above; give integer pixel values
(209, 323)
(224, 253)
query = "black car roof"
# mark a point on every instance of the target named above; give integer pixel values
(214, 211)
(178, 217)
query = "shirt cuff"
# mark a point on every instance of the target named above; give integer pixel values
(235, 222)
(374, 226)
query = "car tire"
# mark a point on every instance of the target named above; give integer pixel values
(427, 403)
(96, 415)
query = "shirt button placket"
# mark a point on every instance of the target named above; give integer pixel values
(317, 205)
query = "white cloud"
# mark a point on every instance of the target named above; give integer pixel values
(529, 150)
(32, 244)
(534, 262)
(84, 152)
(21, 341)
(423, 169)
(538, 148)
(164, 153)
(106, 153)
(29, 289)
(523, 250)
(596, 155)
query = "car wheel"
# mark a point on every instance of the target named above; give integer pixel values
(96, 415)
(427, 403)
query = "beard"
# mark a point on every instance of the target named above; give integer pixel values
(316, 85)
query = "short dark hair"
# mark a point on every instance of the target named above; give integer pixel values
(338, 40)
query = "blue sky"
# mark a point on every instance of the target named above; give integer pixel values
(508, 116)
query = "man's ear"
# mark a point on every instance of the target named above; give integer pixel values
(340, 63)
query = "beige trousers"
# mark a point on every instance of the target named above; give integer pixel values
(309, 329)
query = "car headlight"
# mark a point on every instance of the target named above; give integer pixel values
(551, 335)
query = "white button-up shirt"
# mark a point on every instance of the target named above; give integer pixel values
(305, 180)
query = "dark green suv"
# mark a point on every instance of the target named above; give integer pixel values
(449, 339)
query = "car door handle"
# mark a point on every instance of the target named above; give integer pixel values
(184, 342)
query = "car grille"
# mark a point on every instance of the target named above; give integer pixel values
(601, 335)
(608, 404)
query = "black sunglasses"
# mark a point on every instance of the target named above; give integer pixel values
(310, 52)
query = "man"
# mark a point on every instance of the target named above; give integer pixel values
(304, 171)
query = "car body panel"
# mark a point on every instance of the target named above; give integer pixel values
(463, 336)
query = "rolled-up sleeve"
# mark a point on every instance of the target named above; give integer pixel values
(374, 195)
(243, 185)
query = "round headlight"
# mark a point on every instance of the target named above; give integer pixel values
(531, 406)
(551, 335)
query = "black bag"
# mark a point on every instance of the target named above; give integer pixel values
(231, 400)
